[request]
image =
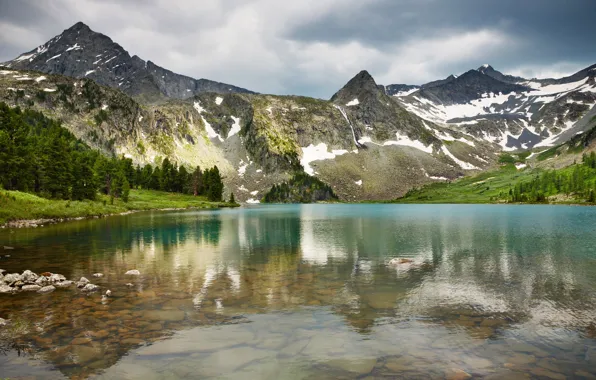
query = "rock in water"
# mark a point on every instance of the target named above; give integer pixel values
(133, 272)
(6, 247)
(29, 276)
(63, 284)
(130, 285)
(97, 275)
(42, 281)
(46, 289)
(6, 289)
(4, 322)
(82, 282)
(90, 288)
(31, 288)
(108, 292)
(12, 278)
(56, 278)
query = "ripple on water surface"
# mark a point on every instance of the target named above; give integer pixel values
(309, 291)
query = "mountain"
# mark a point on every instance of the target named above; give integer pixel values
(488, 70)
(363, 143)
(80, 52)
(513, 112)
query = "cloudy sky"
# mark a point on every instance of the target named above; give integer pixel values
(312, 47)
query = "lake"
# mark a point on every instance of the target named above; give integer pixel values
(308, 291)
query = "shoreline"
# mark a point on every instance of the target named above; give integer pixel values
(34, 223)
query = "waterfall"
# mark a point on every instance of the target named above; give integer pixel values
(349, 123)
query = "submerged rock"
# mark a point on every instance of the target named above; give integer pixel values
(133, 272)
(90, 288)
(398, 261)
(46, 289)
(31, 288)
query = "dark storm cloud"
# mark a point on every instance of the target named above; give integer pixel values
(313, 47)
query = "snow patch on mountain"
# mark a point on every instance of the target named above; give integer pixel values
(464, 165)
(235, 127)
(354, 102)
(406, 141)
(315, 153)
(208, 128)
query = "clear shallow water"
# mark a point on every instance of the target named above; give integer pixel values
(305, 291)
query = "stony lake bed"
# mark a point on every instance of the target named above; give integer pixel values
(291, 292)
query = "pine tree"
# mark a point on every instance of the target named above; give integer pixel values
(125, 191)
(232, 200)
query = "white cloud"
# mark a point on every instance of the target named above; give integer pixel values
(249, 43)
(553, 70)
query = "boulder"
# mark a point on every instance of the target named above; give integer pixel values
(11, 278)
(82, 282)
(133, 272)
(6, 289)
(31, 288)
(63, 284)
(55, 277)
(42, 281)
(29, 276)
(46, 289)
(90, 288)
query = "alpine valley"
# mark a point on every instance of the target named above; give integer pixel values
(368, 142)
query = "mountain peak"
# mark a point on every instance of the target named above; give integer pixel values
(79, 27)
(361, 85)
(485, 68)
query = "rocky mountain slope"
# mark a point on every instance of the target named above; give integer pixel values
(514, 112)
(363, 143)
(80, 52)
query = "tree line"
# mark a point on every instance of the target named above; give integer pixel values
(301, 188)
(578, 181)
(38, 155)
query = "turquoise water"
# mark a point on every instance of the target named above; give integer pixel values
(298, 291)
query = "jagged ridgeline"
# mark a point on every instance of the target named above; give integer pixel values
(38, 155)
(301, 188)
(368, 142)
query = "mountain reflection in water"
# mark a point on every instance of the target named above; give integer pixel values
(301, 291)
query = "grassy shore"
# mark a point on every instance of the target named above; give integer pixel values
(487, 187)
(15, 205)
